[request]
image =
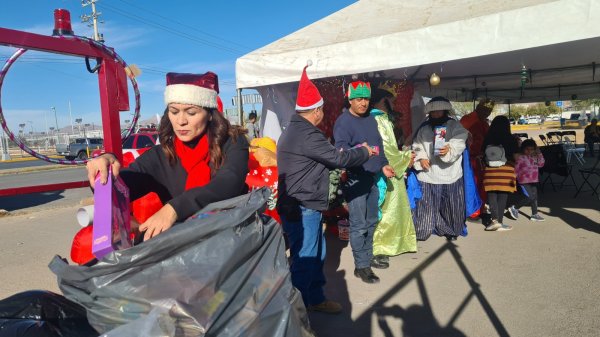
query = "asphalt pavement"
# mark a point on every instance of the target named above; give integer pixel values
(540, 279)
(41, 175)
(23, 164)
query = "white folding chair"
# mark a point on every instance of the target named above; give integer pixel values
(572, 150)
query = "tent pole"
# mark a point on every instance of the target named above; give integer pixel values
(240, 108)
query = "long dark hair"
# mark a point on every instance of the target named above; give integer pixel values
(528, 143)
(218, 129)
(499, 133)
(377, 95)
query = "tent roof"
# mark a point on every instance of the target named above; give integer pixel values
(467, 42)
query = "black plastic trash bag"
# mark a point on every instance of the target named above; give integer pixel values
(222, 273)
(40, 313)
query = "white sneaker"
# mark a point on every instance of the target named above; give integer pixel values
(494, 226)
(504, 227)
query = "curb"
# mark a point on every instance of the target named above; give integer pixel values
(16, 160)
(37, 169)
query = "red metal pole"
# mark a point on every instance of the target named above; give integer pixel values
(109, 102)
(59, 45)
(110, 77)
(43, 188)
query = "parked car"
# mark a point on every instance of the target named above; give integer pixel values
(141, 142)
(81, 148)
(512, 121)
(534, 120)
(522, 121)
(136, 143)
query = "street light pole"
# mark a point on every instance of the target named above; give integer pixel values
(78, 121)
(71, 118)
(4, 143)
(46, 121)
(55, 119)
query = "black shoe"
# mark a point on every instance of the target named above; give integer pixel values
(451, 237)
(380, 262)
(366, 275)
(486, 219)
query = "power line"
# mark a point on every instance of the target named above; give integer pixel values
(48, 60)
(170, 19)
(171, 30)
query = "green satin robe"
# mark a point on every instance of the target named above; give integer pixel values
(395, 232)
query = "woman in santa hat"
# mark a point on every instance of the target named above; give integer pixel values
(201, 158)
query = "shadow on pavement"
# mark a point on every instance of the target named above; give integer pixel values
(18, 202)
(562, 202)
(416, 320)
(336, 290)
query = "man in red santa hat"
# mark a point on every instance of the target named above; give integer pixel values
(304, 157)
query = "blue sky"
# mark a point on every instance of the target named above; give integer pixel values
(158, 36)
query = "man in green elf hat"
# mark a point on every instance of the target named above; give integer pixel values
(354, 127)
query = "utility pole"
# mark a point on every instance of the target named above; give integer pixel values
(94, 17)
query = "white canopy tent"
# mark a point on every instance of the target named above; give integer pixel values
(477, 47)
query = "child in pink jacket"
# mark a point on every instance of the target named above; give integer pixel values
(526, 167)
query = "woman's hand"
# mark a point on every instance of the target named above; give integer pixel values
(100, 165)
(159, 222)
(388, 171)
(425, 164)
(444, 150)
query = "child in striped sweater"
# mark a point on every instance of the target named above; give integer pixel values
(526, 167)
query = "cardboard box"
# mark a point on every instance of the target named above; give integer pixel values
(112, 219)
(439, 139)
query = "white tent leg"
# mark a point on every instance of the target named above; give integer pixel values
(240, 108)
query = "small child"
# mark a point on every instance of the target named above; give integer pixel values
(526, 167)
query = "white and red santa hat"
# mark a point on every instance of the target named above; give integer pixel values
(196, 89)
(308, 94)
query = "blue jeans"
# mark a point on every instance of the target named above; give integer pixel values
(307, 251)
(362, 195)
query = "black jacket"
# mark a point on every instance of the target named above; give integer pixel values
(151, 172)
(304, 157)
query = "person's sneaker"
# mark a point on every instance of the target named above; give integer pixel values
(537, 217)
(493, 226)
(380, 262)
(366, 275)
(327, 306)
(513, 212)
(504, 227)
